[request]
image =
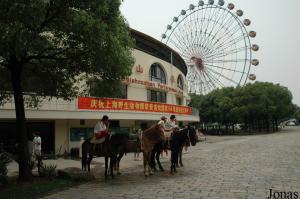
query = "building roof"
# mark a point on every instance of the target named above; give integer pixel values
(158, 49)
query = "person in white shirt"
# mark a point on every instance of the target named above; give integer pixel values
(37, 150)
(101, 130)
(37, 145)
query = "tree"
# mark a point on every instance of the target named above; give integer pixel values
(48, 47)
(259, 106)
(296, 114)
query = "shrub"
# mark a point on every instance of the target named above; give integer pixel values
(4, 160)
(48, 170)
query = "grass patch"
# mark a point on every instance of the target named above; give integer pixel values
(36, 188)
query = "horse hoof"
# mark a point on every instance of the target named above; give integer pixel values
(118, 173)
(151, 172)
(162, 170)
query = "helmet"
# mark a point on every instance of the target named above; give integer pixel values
(172, 117)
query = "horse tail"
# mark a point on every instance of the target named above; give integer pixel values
(84, 155)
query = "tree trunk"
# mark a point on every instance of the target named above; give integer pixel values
(23, 152)
(276, 123)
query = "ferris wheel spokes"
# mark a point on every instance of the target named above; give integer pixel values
(215, 45)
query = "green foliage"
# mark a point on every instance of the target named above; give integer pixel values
(296, 114)
(4, 160)
(55, 42)
(258, 106)
(39, 187)
(48, 170)
(52, 48)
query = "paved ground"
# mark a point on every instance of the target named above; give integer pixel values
(225, 167)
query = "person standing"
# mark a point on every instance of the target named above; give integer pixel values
(139, 137)
(37, 144)
(37, 150)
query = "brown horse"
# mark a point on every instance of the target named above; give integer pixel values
(150, 137)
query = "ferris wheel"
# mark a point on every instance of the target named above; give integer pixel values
(215, 44)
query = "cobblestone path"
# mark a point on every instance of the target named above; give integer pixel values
(243, 167)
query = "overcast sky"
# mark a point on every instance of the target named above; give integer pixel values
(276, 22)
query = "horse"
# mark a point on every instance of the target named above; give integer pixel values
(111, 147)
(150, 137)
(165, 146)
(133, 145)
(177, 141)
(156, 154)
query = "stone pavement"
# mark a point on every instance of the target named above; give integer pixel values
(229, 167)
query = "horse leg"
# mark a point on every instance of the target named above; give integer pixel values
(172, 161)
(180, 157)
(150, 171)
(83, 160)
(106, 166)
(89, 160)
(145, 162)
(153, 165)
(176, 160)
(157, 160)
(112, 161)
(118, 163)
(177, 163)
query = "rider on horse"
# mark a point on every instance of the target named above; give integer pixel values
(101, 130)
(168, 126)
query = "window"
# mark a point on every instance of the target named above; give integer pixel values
(178, 101)
(124, 91)
(180, 82)
(77, 133)
(156, 96)
(157, 74)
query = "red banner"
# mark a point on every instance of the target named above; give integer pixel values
(89, 103)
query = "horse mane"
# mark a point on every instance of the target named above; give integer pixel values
(151, 129)
(153, 132)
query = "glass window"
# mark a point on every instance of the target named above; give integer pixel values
(178, 101)
(156, 96)
(77, 133)
(124, 91)
(157, 74)
(180, 82)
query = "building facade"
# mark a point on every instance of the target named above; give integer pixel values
(156, 87)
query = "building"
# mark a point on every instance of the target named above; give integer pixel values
(156, 87)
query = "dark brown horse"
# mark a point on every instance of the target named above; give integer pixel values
(166, 146)
(150, 137)
(112, 146)
(179, 138)
(133, 146)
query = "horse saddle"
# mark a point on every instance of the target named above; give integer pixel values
(94, 140)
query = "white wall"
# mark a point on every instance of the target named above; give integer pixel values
(139, 92)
